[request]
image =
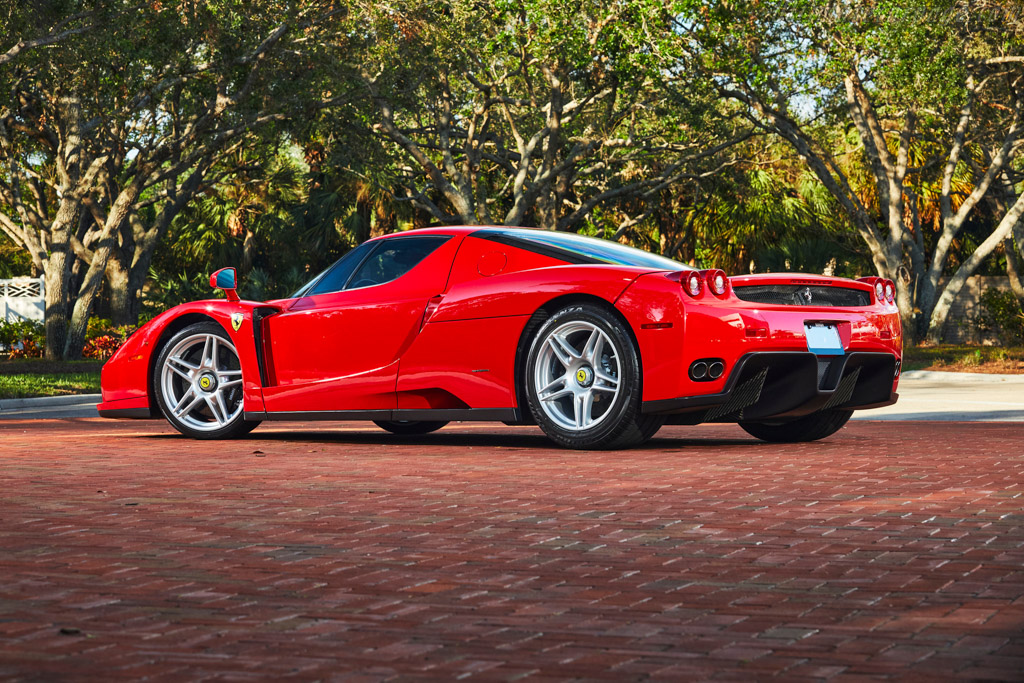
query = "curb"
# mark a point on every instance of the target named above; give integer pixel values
(959, 376)
(49, 401)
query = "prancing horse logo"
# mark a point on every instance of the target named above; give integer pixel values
(236, 321)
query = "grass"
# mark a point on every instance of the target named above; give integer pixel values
(963, 358)
(29, 378)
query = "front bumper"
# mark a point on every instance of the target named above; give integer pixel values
(779, 385)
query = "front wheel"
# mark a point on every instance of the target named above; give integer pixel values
(409, 427)
(808, 428)
(583, 381)
(198, 381)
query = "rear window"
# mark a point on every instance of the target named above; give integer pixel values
(573, 248)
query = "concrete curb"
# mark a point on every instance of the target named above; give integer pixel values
(934, 376)
(49, 401)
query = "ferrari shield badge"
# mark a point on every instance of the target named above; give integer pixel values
(236, 321)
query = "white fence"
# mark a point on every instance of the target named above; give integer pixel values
(22, 299)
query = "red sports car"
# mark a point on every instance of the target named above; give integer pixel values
(597, 343)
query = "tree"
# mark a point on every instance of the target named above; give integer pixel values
(106, 135)
(945, 76)
(534, 111)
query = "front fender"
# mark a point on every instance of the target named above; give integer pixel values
(126, 378)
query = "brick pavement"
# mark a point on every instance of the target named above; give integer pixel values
(329, 552)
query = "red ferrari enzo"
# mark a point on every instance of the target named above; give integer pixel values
(597, 343)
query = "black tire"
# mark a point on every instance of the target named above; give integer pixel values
(409, 427)
(620, 423)
(234, 427)
(808, 428)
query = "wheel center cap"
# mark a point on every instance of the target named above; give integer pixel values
(207, 382)
(585, 376)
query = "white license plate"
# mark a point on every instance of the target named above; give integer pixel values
(823, 340)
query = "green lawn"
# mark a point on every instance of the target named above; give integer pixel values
(28, 378)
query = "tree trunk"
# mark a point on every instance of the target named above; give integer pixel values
(1014, 267)
(937, 320)
(124, 299)
(58, 274)
(58, 279)
(363, 218)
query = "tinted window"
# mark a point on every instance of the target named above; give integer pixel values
(579, 249)
(334, 278)
(394, 258)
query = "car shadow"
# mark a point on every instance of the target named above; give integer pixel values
(504, 440)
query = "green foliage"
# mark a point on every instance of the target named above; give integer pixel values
(253, 222)
(16, 332)
(14, 260)
(1001, 316)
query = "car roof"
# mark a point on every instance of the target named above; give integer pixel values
(565, 246)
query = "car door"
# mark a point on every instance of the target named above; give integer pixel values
(336, 347)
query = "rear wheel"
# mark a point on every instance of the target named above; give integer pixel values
(409, 427)
(808, 428)
(583, 381)
(198, 382)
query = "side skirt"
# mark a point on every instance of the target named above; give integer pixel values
(463, 414)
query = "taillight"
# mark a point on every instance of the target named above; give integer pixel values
(718, 283)
(691, 283)
(885, 290)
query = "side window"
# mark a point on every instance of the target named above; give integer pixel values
(335, 277)
(393, 259)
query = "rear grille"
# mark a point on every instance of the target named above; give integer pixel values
(803, 295)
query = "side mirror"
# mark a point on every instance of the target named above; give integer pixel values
(225, 279)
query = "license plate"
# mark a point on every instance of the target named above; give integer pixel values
(823, 339)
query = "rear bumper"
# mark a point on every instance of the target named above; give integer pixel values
(770, 385)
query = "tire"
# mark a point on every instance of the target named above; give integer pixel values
(808, 428)
(409, 427)
(583, 381)
(198, 384)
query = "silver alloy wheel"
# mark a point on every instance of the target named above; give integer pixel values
(577, 375)
(201, 381)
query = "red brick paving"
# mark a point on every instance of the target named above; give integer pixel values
(342, 553)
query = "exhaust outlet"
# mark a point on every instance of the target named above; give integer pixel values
(707, 369)
(699, 370)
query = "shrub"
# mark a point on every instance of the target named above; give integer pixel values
(103, 338)
(1001, 316)
(28, 334)
(27, 338)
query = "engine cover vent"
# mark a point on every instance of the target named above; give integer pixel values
(803, 295)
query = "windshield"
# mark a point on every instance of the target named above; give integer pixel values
(575, 248)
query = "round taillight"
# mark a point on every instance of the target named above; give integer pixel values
(879, 291)
(717, 282)
(890, 290)
(692, 283)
